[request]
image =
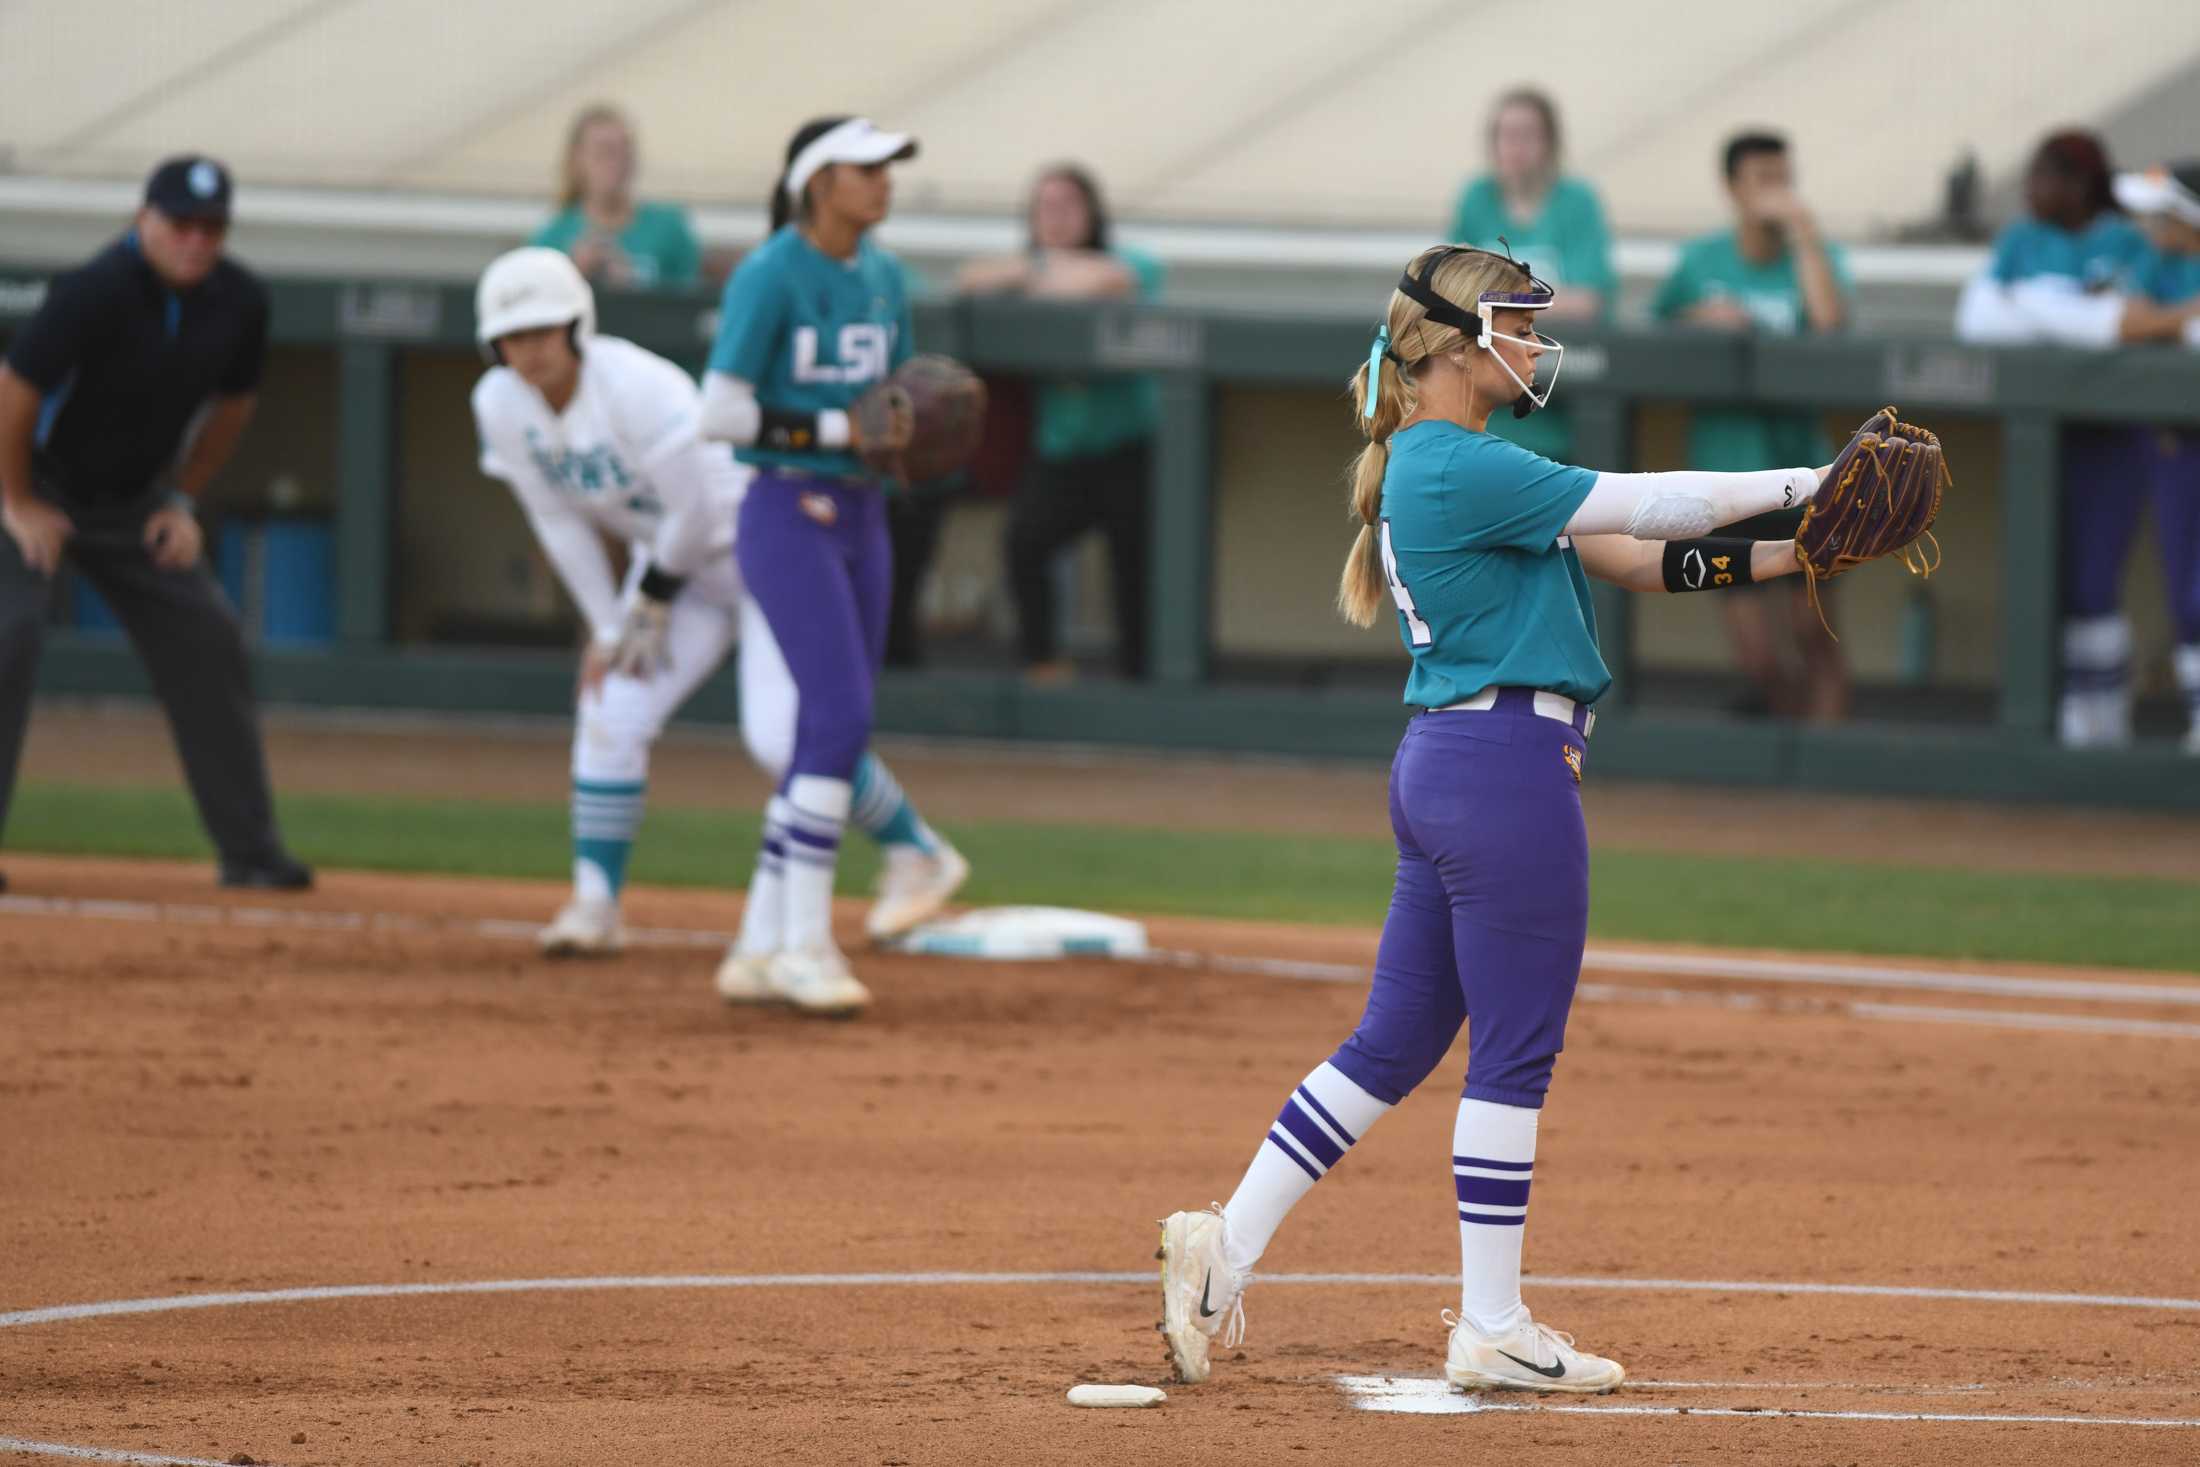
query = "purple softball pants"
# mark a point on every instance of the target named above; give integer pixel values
(815, 555)
(2109, 474)
(1491, 907)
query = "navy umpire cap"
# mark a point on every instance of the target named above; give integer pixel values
(190, 187)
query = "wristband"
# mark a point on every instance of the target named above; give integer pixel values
(657, 585)
(177, 499)
(1707, 565)
(787, 432)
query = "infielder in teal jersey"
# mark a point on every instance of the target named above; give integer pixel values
(812, 321)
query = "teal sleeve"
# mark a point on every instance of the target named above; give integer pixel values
(1677, 292)
(558, 231)
(905, 320)
(752, 324)
(680, 259)
(1588, 250)
(1838, 258)
(1498, 494)
(1146, 270)
(1462, 216)
(2005, 265)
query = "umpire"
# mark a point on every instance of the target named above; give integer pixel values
(119, 402)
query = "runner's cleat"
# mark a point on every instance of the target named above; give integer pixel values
(1200, 1296)
(913, 885)
(745, 978)
(583, 929)
(1531, 1357)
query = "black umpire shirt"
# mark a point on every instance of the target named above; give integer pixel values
(124, 363)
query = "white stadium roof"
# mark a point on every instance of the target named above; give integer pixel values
(1270, 112)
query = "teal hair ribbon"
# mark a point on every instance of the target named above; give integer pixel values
(1375, 355)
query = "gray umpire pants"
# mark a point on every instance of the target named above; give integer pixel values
(192, 645)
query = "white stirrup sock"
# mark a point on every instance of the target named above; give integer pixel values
(816, 811)
(1318, 1124)
(1492, 1163)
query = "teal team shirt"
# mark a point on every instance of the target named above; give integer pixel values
(1084, 416)
(1569, 245)
(1487, 594)
(2170, 279)
(1733, 440)
(2105, 255)
(657, 240)
(812, 333)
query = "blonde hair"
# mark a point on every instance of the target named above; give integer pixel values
(1460, 276)
(569, 165)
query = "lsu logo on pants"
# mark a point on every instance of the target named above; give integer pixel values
(820, 507)
(1572, 756)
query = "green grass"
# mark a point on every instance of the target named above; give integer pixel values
(1655, 895)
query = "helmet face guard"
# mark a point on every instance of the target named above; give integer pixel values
(1480, 327)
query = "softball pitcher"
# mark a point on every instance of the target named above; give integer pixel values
(812, 321)
(1485, 550)
(596, 437)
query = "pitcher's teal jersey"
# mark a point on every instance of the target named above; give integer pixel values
(810, 332)
(2101, 256)
(1489, 593)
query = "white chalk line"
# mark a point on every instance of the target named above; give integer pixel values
(1766, 970)
(59, 1313)
(1413, 1395)
(104, 1454)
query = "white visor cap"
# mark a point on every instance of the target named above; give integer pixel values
(2173, 191)
(858, 140)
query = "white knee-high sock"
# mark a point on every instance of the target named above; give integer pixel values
(1492, 1161)
(764, 914)
(1313, 1131)
(816, 811)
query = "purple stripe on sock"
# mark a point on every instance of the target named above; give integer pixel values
(1303, 1128)
(818, 842)
(1492, 1192)
(774, 848)
(1281, 1145)
(1495, 1166)
(1323, 1111)
(1491, 1222)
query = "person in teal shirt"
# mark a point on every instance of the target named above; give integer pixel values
(1553, 221)
(1092, 437)
(1772, 272)
(616, 240)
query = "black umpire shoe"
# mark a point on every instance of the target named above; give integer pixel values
(278, 871)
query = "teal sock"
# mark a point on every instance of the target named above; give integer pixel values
(605, 818)
(883, 812)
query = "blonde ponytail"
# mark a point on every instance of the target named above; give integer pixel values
(1407, 338)
(1364, 588)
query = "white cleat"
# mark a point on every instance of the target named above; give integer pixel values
(583, 929)
(817, 982)
(746, 978)
(912, 887)
(1530, 1357)
(1200, 1296)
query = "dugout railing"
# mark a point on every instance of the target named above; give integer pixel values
(2029, 393)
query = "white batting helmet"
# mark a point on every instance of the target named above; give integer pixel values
(529, 288)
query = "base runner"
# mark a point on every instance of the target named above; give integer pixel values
(1485, 549)
(597, 436)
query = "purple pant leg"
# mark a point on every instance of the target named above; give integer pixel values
(2104, 477)
(2176, 476)
(814, 554)
(1487, 805)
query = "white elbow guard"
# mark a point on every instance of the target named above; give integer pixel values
(1670, 516)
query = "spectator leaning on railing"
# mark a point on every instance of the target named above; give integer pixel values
(1772, 272)
(2065, 272)
(1547, 218)
(1092, 437)
(616, 240)
(2158, 299)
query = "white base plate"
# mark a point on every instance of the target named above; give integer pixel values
(1131, 1396)
(1023, 934)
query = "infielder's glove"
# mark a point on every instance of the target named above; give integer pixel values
(1879, 499)
(643, 649)
(922, 423)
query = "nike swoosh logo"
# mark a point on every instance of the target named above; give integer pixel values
(1206, 1313)
(1554, 1371)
